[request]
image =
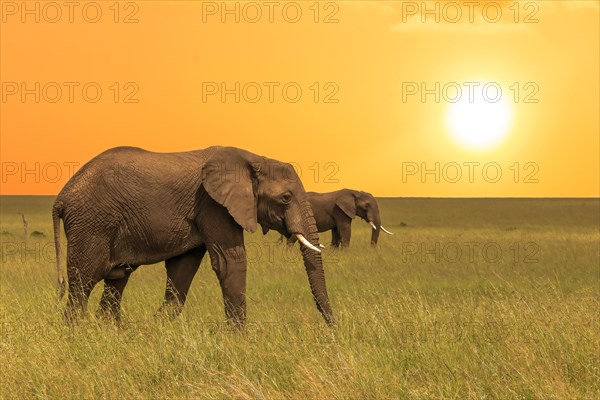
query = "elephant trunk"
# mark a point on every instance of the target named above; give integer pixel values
(313, 264)
(376, 230)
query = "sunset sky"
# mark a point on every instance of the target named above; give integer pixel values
(358, 122)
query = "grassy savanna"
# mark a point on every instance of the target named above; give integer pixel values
(487, 298)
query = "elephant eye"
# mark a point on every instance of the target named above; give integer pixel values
(286, 198)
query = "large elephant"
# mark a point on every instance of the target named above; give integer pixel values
(128, 207)
(335, 211)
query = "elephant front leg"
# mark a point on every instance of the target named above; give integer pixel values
(344, 233)
(229, 265)
(180, 273)
(335, 238)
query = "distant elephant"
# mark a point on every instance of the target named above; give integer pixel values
(128, 206)
(335, 211)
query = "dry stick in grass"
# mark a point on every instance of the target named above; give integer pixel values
(25, 225)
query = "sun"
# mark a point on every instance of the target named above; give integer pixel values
(480, 120)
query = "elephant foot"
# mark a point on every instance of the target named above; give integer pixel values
(72, 316)
(109, 315)
(169, 310)
(237, 323)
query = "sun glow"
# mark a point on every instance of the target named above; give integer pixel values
(480, 121)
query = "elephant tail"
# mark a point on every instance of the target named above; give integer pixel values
(57, 214)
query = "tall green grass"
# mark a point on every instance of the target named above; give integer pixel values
(415, 320)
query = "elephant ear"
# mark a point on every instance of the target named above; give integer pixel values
(265, 230)
(229, 177)
(347, 204)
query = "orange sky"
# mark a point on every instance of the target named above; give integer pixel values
(364, 140)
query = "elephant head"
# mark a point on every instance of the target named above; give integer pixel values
(363, 204)
(257, 189)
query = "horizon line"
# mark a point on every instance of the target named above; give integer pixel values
(395, 197)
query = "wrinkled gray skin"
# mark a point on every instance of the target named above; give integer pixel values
(335, 211)
(128, 207)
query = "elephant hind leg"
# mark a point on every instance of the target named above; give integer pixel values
(86, 266)
(110, 303)
(80, 288)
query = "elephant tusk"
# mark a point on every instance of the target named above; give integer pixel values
(386, 231)
(373, 225)
(321, 246)
(305, 242)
